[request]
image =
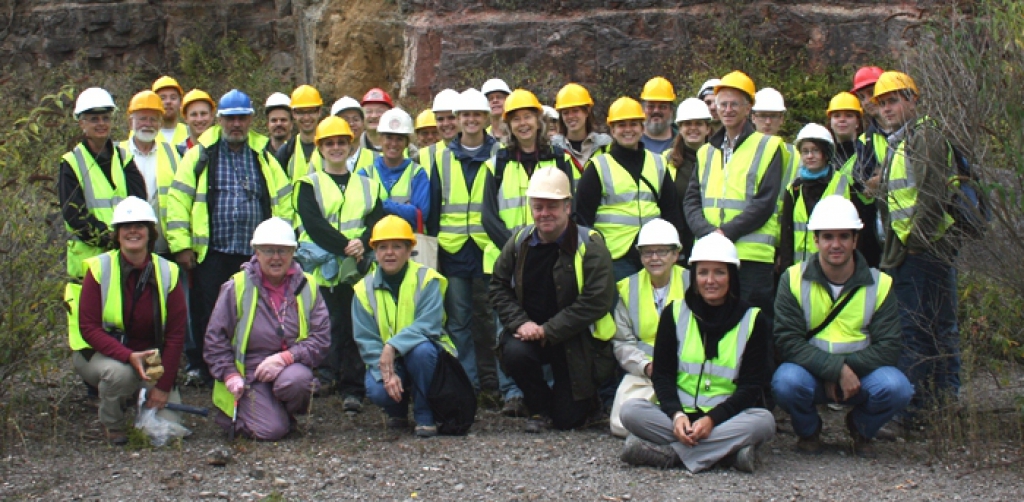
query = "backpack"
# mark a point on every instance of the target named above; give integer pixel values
(451, 396)
(969, 203)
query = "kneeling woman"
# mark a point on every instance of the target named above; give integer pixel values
(710, 367)
(268, 331)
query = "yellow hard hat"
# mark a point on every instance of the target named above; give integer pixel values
(306, 96)
(425, 119)
(739, 81)
(625, 109)
(658, 89)
(332, 126)
(392, 227)
(573, 95)
(146, 100)
(844, 101)
(521, 99)
(892, 81)
(165, 82)
(197, 95)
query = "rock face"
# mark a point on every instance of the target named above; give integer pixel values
(414, 48)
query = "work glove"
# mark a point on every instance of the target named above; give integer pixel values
(271, 367)
(236, 385)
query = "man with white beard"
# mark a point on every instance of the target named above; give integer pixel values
(657, 98)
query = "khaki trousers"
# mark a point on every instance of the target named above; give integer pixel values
(117, 382)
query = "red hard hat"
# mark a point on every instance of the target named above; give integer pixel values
(865, 76)
(377, 95)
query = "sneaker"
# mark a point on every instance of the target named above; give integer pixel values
(745, 459)
(888, 432)
(116, 437)
(538, 423)
(863, 447)
(352, 404)
(810, 445)
(426, 431)
(398, 423)
(514, 407)
(637, 451)
(836, 407)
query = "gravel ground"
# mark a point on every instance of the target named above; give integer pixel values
(335, 456)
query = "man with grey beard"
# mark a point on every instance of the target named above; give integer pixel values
(657, 98)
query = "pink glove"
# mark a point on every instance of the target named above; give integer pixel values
(236, 385)
(271, 367)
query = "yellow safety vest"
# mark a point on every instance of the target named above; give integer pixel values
(902, 192)
(346, 212)
(705, 383)
(790, 166)
(246, 301)
(637, 294)
(180, 134)
(365, 159)
(401, 191)
(848, 332)
(188, 217)
(100, 198)
(299, 165)
(393, 317)
(428, 156)
(626, 205)
(726, 191)
(803, 240)
(461, 206)
(166, 167)
(106, 269)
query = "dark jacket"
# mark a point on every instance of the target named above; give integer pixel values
(791, 328)
(590, 360)
(810, 191)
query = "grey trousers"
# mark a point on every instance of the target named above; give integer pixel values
(116, 382)
(752, 426)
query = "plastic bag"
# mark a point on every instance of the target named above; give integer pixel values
(159, 429)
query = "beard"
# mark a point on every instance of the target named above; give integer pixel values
(146, 136)
(656, 128)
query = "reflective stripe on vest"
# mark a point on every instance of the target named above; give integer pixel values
(902, 190)
(637, 294)
(100, 199)
(848, 332)
(166, 168)
(626, 205)
(790, 167)
(461, 208)
(702, 383)
(803, 240)
(403, 313)
(298, 164)
(401, 191)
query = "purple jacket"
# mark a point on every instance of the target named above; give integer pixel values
(263, 340)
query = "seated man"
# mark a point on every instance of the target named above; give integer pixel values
(838, 332)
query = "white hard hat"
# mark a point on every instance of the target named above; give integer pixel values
(714, 247)
(94, 99)
(549, 183)
(692, 109)
(815, 132)
(658, 232)
(278, 100)
(708, 86)
(132, 210)
(834, 212)
(550, 113)
(345, 103)
(395, 121)
(495, 84)
(768, 100)
(445, 101)
(274, 232)
(472, 100)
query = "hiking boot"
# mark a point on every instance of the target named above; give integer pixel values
(116, 437)
(398, 423)
(537, 423)
(810, 445)
(352, 404)
(746, 459)
(862, 446)
(888, 432)
(426, 431)
(514, 407)
(637, 451)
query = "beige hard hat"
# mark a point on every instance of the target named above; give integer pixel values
(549, 183)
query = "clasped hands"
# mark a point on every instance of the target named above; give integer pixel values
(392, 383)
(530, 331)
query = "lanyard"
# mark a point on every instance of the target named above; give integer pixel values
(279, 314)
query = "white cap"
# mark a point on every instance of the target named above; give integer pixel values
(445, 101)
(692, 109)
(834, 212)
(714, 247)
(345, 103)
(395, 121)
(278, 100)
(658, 232)
(495, 84)
(768, 100)
(94, 99)
(472, 100)
(550, 113)
(708, 86)
(274, 232)
(816, 132)
(132, 210)
(549, 183)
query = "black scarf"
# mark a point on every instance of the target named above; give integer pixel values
(714, 322)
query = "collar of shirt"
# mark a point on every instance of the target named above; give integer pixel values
(134, 147)
(535, 238)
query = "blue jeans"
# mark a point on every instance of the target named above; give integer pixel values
(925, 288)
(416, 369)
(883, 393)
(469, 325)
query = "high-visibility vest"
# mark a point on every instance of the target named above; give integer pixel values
(427, 157)
(726, 191)
(365, 159)
(299, 165)
(604, 328)
(803, 239)
(346, 212)
(461, 206)
(392, 317)
(880, 147)
(166, 167)
(401, 191)
(626, 205)
(106, 269)
(246, 301)
(180, 134)
(848, 332)
(100, 198)
(637, 294)
(902, 192)
(705, 383)
(188, 216)
(790, 166)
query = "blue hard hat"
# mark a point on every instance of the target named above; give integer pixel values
(234, 102)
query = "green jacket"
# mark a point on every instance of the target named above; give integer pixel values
(791, 328)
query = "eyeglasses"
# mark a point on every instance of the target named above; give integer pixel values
(660, 253)
(275, 251)
(726, 105)
(97, 119)
(306, 111)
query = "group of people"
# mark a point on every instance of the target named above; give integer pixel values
(688, 275)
